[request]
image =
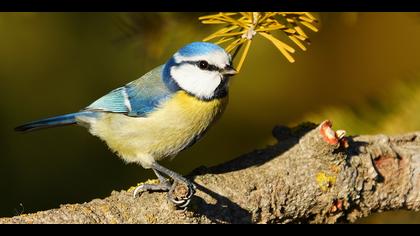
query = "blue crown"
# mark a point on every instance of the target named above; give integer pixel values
(199, 48)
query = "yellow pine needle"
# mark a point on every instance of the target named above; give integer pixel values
(232, 34)
(300, 31)
(297, 42)
(313, 28)
(244, 53)
(284, 48)
(201, 18)
(212, 22)
(233, 21)
(239, 25)
(229, 13)
(246, 14)
(210, 37)
(290, 31)
(300, 37)
(216, 15)
(277, 27)
(309, 15)
(223, 40)
(233, 45)
(304, 18)
(277, 41)
(267, 15)
(224, 30)
(221, 31)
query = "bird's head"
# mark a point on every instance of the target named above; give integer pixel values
(201, 69)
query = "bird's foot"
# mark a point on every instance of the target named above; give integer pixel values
(181, 192)
(162, 187)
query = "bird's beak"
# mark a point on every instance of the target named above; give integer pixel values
(229, 71)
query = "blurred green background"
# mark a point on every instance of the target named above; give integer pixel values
(361, 71)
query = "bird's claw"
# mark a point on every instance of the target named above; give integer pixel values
(151, 187)
(138, 190)
(179, 193)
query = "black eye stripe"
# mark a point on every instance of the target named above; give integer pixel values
(210, 67)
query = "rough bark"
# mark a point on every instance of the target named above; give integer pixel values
(312, 175)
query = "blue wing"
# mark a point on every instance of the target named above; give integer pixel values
(137, 98)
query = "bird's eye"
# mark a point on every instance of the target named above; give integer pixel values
(203, 65)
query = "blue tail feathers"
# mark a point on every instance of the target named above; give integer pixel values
(62, 120)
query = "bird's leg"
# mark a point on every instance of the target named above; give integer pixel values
(164, 185)
(182, 189)
(180, 195)
(180, 192)
(161, 178)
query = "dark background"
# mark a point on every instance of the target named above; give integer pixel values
(361, 71)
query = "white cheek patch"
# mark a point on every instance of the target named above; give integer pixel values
(199, 82)
(217, 58)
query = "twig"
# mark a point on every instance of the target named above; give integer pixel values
(312, 175)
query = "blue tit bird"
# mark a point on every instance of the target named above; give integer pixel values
(160, 114)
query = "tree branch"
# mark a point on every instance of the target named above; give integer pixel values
(312, 175)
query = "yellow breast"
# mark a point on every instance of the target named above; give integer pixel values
(162, 133)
